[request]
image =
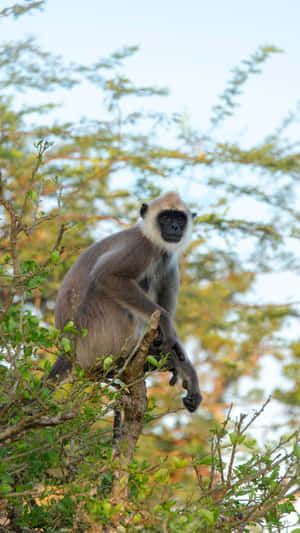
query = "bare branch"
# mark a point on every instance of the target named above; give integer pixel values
(38, 420)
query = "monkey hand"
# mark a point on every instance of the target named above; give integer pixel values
(170, 363)
(169, 338)
(191, 402)
(179, 350)
(172, 366)
(193, 398)
(170, 345)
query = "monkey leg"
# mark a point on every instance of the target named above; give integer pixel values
(117, 428)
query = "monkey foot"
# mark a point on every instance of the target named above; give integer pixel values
(192, 402)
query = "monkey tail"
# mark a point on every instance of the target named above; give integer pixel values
(116, 427)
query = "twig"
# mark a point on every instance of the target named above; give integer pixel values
(34, 222)
(256, 414)
(42, 146)
(239, 432)
(59, 204)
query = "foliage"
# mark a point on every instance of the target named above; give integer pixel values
(20, 9)
(62, 185)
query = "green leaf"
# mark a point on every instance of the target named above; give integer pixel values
(55, 256)
(34, 196)
(250, 443)
(179, 462)
(208, 516)
(161, 475)
(286, 507)
(5, 488)
(47, 366)
(66, 344)
(207, 460)
(234, 438)
(107, 509)
(108, 361)
(296, 450)
(152, 361)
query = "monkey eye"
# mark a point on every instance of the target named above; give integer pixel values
(166, 218)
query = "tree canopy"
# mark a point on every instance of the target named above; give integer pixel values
(62, 186)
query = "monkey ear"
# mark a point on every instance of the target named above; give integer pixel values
(143, 210)
(194, 215)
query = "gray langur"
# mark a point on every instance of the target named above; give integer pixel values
(116, 284)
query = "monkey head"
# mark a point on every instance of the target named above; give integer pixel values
(167, 222)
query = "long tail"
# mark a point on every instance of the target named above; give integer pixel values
(117, 427)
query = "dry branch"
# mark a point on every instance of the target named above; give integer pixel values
(38, 420)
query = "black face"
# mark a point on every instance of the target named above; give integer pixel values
(172, 224)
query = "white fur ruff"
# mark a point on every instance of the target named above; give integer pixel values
(150, 228)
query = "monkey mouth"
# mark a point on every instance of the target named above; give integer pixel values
(172, 238)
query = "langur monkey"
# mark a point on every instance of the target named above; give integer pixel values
(116, 284)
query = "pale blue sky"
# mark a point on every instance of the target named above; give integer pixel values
(187, 46)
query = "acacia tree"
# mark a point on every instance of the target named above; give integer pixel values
(60, 183)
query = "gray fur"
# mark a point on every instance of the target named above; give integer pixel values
(114, 287)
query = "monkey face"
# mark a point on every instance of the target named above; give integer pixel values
(167, 223)
(172, 224)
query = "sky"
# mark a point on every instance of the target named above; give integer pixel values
(188, 47)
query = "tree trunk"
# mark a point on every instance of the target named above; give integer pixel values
(135, 406)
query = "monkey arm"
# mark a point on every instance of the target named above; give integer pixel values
(184, 370)
(168, 294)
(129, 295)
(187, 373)
(167, 299)
(116, 274)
